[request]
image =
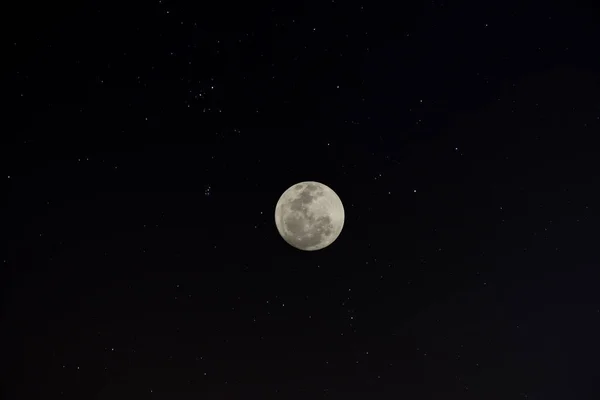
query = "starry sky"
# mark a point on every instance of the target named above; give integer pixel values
(150, 141)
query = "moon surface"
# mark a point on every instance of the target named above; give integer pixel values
(309, 216)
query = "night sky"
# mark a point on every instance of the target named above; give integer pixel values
(145, 145)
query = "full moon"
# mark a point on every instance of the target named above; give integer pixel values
(309, 216)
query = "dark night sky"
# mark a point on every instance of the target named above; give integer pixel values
(148, 144)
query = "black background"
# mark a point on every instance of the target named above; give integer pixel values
(145, 147)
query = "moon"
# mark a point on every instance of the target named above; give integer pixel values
(309, 216)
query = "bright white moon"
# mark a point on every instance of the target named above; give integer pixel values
(309, 216)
